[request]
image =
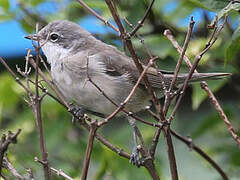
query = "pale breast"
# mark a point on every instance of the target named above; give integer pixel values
(75, 86)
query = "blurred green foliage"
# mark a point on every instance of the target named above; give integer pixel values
(66, 143)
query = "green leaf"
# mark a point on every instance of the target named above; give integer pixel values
(234, 47)
(195, 3)
(26, 26)
(31, 2)
(5, 17)
(1, 109)
(199, 95)
(5, 5)
(9, 96)
(214, 4)
(228, 9)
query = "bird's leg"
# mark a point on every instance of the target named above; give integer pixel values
(78, 111)
(135, 158)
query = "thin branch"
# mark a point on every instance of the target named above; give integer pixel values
(5, 142)
(192, 69)
(140, 23)
(15, 76)
(37, 113)
(58, 172)
(171, 154)
(97, 15)
(221, 112)
(153, 147)
(130, 47)
(205, 87)
(93, 129)
(7, 165)
(178, 66)
(119, 151)
(52, 86)
(61, 173)
(191, 145)
(121, 106)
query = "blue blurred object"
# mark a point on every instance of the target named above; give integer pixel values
(13, 44)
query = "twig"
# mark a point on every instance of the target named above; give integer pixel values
(52, 86)
(192, 69)
(7, 165)
(205, 87)
(30, 173)
(97, 15)
(36, 106)
(15, 76)
(171, 154)
(93, 129)
(117, 150)
(34, 17)
(153, 147)
(121, 106)
(140, 23)
(178, 66)
(58, 172)
(125, 36)
(221, 112)
(5, 142)
(200, 152)
(85, 125)
(61, 173)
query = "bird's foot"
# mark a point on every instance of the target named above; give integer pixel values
(78, 112)
(135, 158)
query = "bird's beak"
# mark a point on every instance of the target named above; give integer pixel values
(32, 37)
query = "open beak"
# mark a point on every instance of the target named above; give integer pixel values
(32, 37)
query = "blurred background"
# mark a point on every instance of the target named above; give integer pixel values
(196, 117)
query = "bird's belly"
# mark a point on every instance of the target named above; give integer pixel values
(85, 94)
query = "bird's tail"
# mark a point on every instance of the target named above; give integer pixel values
(202, 77)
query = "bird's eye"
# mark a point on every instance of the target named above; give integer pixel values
(54, 37)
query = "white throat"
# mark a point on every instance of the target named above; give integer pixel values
(54, 52)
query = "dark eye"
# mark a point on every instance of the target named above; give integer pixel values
(54, 37)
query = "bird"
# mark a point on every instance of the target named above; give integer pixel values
(75, 55)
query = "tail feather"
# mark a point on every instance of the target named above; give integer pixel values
(207, 76)
(156, 81)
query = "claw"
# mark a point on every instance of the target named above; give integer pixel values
(77, 111)
(135, 158)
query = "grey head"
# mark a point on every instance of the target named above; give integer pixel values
(61, 38)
